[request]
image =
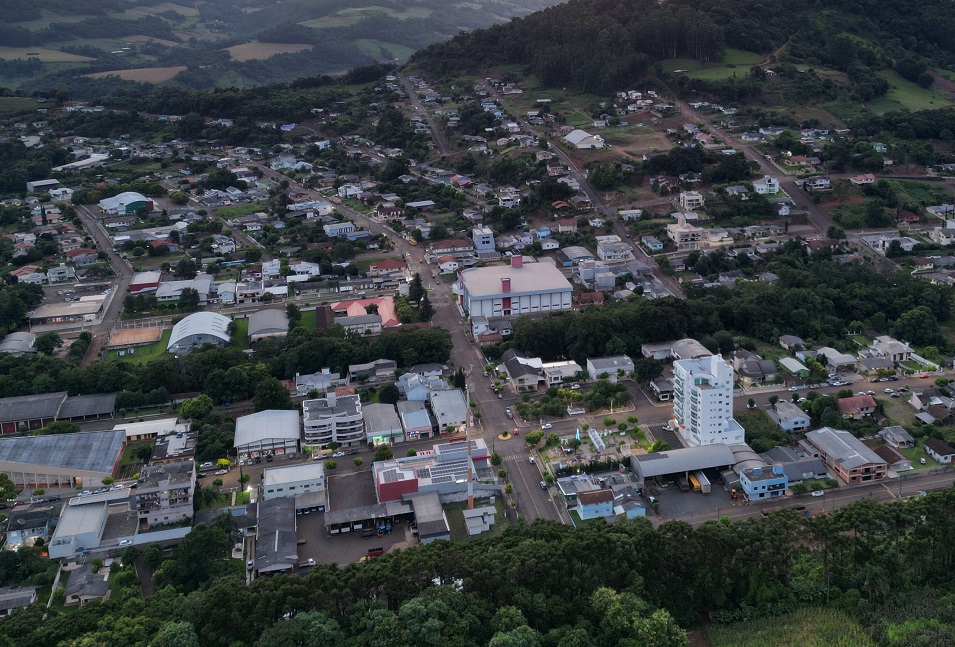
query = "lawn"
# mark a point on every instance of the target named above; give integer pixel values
(45, 55)
(309, 321)
(810, 627)
(898, 410)
(241, 337)
(142, 74)
(239, 210)
(129, 454)
(916, 454)
(911, 96)
(925, 193)
(373, 48)
(144, 354)
(455, 514)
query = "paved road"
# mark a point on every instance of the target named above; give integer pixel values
(124, 274)
(436, 133)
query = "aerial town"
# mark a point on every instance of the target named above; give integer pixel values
(304, 339)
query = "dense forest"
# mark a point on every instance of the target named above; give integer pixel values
(605, 45)
(540, 585)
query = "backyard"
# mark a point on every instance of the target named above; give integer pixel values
(459, 531)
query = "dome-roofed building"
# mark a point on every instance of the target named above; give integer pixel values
(197, 329)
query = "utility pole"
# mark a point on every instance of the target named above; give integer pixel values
(467, 426)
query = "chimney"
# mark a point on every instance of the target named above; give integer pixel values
(517, 260)
(506, 285)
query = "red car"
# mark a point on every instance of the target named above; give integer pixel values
(517, 432)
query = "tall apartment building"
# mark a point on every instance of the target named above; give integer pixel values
(334, 419)
(703, 401)
(164, 494)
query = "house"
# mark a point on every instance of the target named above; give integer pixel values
(612, 249)
(27, 526)
(339, 229)
(817, 184)
(447, 264)
(857, 407)
(788, 416)
(595, 504)
(897, 437)
(836, 361)
(609, 367)
(652, 243)
(763, 482)
(768, 185)
(380, 370)
(663, 388)
(16, 597)
(895, 459)
(85, 586)
(794, 367)
(791, 342)
(862, 180)
(939, 450)
(686, 237)
(892, 349)
(691, 200)
(522, 376)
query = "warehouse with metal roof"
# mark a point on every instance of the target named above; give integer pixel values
(62, 460)
(125, 203)
(681, 461)
(267, 323)
(198, 329)
(273, 431)
(18, 343)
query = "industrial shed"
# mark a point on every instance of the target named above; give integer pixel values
(274, 431)
(63, 460)
(681, 461)
(198, 329)
(267, 323)
(31, 412)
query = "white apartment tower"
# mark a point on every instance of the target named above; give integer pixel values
(703, 401)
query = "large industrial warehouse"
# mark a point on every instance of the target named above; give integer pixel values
(63, 460)
(197, 329)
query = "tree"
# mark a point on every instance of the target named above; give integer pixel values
(359, 461)
(918, 326)
(176, 634)
(185, 269)
(59, 427)
(47, 343)
(415, 289)
(294, 314)
(425, 310)
(773, 399)
(751, 403)
(383, 453)
(196, 408)
(496, 459)
(39, 492)
(271, 394)
(330, 465)
(189, 299)
(658, 446)
(388, 394)
(179, 197)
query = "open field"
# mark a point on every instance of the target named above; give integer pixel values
(803, 628)
(10, 106)
(152, 39)
(144, 354)
(640, 142)
(251, 51)
(143, 74)
(45, 55)
(239, 210)
(374, 47)
(190, 12)
(735, 61)
(348, 17)
(911, 96)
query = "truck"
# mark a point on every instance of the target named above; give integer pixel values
(703, 482)
(683, 483)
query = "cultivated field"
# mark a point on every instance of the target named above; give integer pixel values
(10, 106)
(151, 39)
(251, 51)
(803, 628)
(45, 55)
(348, 17)
(143, 74)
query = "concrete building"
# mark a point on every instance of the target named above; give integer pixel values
(687, 237)
(609, 368)
(382, 424)
(483, 238)
(144, 282)
(415, 419)
(25, 526)
(763, 482)
(151, 429)
(164, 493)
(273, 431)
(679, 349)
(82, 459)
(443, 470)
(198, 329)
(80, 527)
(516, 289)
(334, 418)
(450, 410)
(691, 200)
(845, 455)
(703, 401)
(322, 382)
(789, 417)
(294, 480)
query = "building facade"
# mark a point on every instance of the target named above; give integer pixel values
(518, 289)
(334, 419)
(703, 401)
(164, 494)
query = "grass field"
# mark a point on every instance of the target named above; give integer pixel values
(45, 55)
(735, 61)
(152, 39)
(459, 532)
(374, 47)
(911, 96)
(10, 106)
(144, 354)
(348, 17)
(241, 337)
(143, 74)
(925, 193)
(251, 51)
(803, 628)
(239, 210)
(190, 12)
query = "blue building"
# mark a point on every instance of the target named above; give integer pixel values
(763, 482)
(652, 243)
(595, 504)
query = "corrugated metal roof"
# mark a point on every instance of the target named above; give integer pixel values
(682, 460)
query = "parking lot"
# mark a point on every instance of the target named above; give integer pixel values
(675, 503)
(345, 548)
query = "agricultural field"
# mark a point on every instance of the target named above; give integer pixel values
(252, 51)
(351, 16)
(735, 62)
(45, 55)
(11, 106)
(374, 47)
(189, 12)
(803, 628)
(143, 74)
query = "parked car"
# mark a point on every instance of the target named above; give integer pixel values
(793, 388)
(888, 391)
(547, 425)
(221, 472)
(543, 485)
(896, 395)
(353, 452)
(206, 465)
(819, 493)
(575, 387)
(250, 565)
(126, 542)
(338, 454)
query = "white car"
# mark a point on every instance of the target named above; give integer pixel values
(221, 472)
(338, 454)
(667, 427)
(793, 388)
(126, 542)
(547, 425)
(206, 465)
(888, 391)
(575, 387)
(819, 493)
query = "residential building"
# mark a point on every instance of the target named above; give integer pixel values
(794, 367)
(378, 371)
(691, 200)
(293, 480)
(897, 437)
(382, 424)
(857, 407)
(16, 597)
(763, 482)
(516, 289)
(164, 493)
(483, 238)
(450, 410)
(788, 416)
(595, 504)
(85, 586)
(686, 237)
(612, 249)
(817, 184)
(609, 368)
(652, 243)
(334, 418)
(768, 185)
(892, 349)
(686, 348)
(896, 460)
(339, 229)
(845, 455)
(322, 382)
(703, 401)
(26, 526)
(939, 450)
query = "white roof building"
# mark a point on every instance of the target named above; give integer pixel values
(274, 431)
(517, 289)
(582, 139)
(197, 329)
